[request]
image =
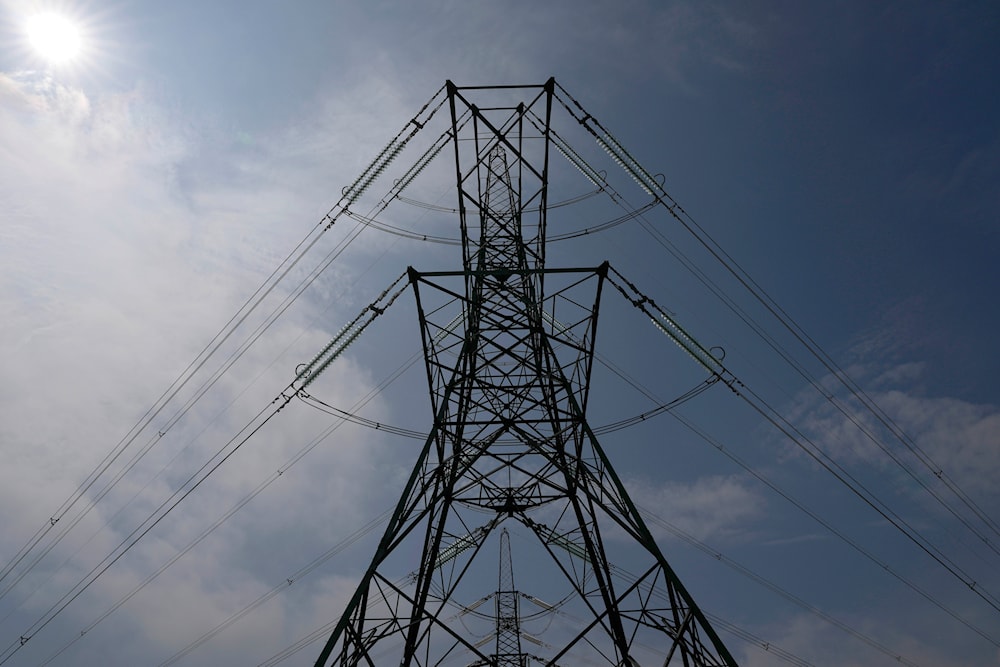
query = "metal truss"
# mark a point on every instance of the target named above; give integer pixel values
(509, 348)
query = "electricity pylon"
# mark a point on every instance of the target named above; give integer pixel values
(507, 619)
(508, 347)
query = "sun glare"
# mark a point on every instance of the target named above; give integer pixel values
(54, 36)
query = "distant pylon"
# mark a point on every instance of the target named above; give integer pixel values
(508, 346)
(507, 618)
(508, 624)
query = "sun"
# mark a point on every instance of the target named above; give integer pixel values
(54, 37)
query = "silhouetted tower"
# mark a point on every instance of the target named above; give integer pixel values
(508, 345)
(508, 626)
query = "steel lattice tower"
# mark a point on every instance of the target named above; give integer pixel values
(509, 345)
(507, 625)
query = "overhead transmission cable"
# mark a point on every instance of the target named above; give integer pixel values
(304, 376)
(773, 587)
(747, 319)
(787, 496)
(856, 546)
(774, 487)
(233, 445)
(326, 433)
(666, 324)
(273, 477)
(767, 647)
(170, 423)
(654, 188)
(350, 195)
(201, 391)
(991, 545)
(760, 477)
(236, 355)
(648, 183)
(610, 427)
(301, 573)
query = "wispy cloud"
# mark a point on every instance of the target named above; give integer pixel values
(812, 639)
(957, 435)
(115, 270)
(715, 507)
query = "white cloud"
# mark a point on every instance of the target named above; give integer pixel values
(709, 508)
(116, 268)
(961, 437)
(957, 435)
(810, 638)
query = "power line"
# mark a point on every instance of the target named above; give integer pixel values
(252, 303)
(242, 314)
(882, 565)
(771, 586)
(654, 188)
(198, 477)
(289, 581)
(316, 441)
(790, 431)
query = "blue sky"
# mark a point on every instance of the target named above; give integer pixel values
(847, 156)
